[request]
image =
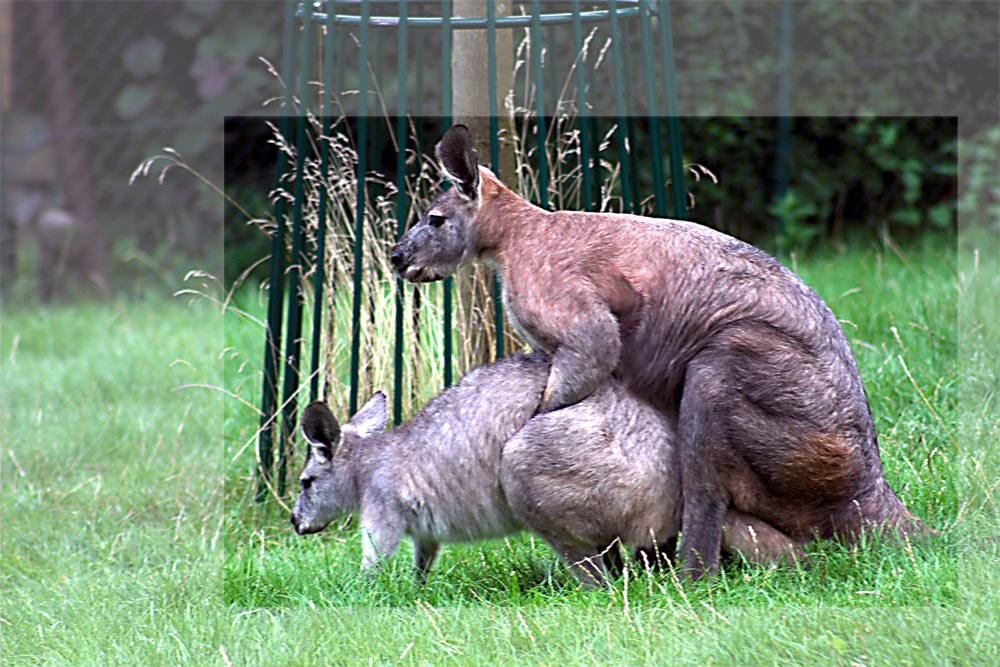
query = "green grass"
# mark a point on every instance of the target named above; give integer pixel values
(129, 536)
(112, 480)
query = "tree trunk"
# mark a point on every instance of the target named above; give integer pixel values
(71, 164)
(471, 106)
(8, 225)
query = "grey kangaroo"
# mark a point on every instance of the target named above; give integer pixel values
(748, 364)
(474, 464)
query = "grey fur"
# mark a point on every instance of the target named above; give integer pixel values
(474, 464)
(747, 362)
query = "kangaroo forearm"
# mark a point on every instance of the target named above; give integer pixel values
(575, 374)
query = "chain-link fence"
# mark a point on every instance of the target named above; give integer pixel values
(90, 89)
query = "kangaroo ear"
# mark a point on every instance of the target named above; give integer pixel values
(457, 155)
(372, 416)
(321, 429)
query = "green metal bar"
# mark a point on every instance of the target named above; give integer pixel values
(446, 102)
(677, 190)
(491, 63)
(380, 131)
(418, 57)
(359, 218)
(784, 107)
(586, 157)
(593, 133)
(319, 278)
(431, 22)
(272, 345)
(653, 113)
(550, 68)
(621, 132)
(401, 211)
(293, 340)
(341, 55)
(630, 121)
(536, 60)
(419, 139)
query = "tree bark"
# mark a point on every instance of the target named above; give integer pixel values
(71, 163)
(471, 106)
(8, 225)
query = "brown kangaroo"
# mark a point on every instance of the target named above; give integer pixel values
(747, 362)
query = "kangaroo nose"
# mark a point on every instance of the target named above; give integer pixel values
(396, 257)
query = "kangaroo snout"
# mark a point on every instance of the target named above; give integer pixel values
(300, 528)
(409, 268)
(303, 528)
(404, 264)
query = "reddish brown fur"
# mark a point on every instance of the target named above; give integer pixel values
(821, 464)
(747, 361)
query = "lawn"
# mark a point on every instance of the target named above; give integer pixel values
(129, 535)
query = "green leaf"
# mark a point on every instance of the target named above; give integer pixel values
(906, 216)
(205, 8)
(133, 100)
(945, 169)
(911, 185)
(888, 134)
(941, 215)
(250, 41)
(186, 25)
(144, 57)
(212, 47)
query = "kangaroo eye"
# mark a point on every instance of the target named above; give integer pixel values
(436, 220)
(306, 483)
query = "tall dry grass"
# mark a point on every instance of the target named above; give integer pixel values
(422, 320)
(422, 313)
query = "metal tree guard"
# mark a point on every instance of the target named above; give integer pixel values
(304, 22)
